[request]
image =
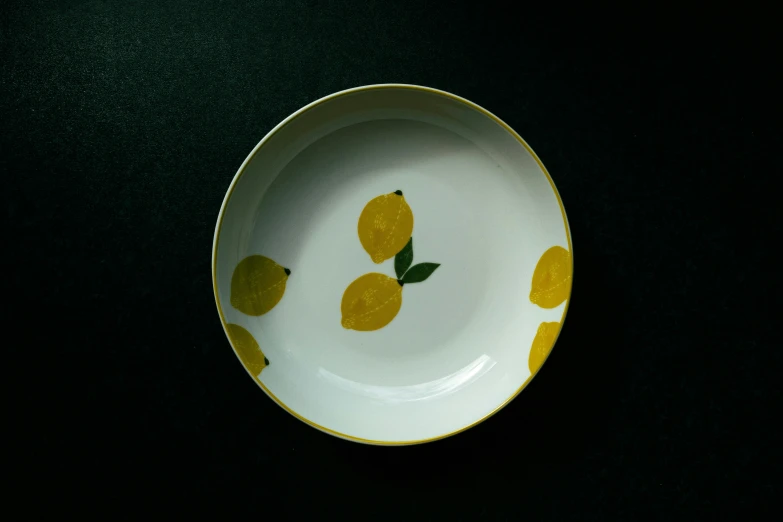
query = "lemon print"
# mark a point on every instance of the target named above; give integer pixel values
(257, 285)
(542, 345)
(552, 278)
(385, 226)
(247, 349)
(371, 302)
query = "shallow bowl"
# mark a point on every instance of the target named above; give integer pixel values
(392, 264)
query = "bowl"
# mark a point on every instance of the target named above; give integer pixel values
(392, 264)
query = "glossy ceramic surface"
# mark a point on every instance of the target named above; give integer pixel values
(392, 264)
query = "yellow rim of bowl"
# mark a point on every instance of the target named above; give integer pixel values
(296, 115)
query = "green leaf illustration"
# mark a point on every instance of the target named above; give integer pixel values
(420, 272)
(403, 259)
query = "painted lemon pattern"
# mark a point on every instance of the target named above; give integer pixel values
(542, 345)
(247, 349)
(552, 278)
(371, 302)
(385, 226)
(374, 300)
(257, 285)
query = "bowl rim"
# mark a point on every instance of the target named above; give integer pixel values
(301, 111)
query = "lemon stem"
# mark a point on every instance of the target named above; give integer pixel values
(398, 192)
(400, 282)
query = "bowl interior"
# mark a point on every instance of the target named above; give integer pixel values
(326, 195)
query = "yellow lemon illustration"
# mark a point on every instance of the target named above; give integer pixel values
(552, 278)
(385, 226)
(542, 345)
(371, 302)
(257, 285)
(247, 348)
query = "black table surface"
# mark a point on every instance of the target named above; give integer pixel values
(123, 124)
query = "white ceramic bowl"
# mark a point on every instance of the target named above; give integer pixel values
(336, 191)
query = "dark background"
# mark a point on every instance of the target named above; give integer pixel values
(123, 124)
